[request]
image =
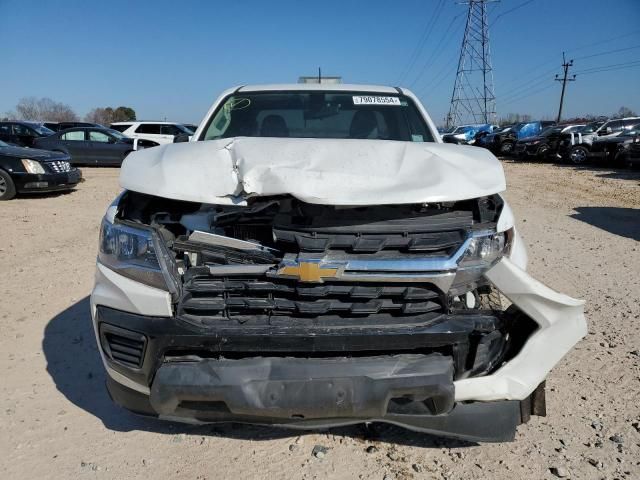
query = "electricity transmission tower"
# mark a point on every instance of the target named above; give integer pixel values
(473, 100)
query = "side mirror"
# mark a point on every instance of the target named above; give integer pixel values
(182, 137)
(112, 140)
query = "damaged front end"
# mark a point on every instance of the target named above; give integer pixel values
(291, 313)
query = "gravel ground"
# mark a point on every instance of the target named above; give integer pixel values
(582, 227)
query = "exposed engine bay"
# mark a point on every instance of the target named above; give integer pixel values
(282, 262)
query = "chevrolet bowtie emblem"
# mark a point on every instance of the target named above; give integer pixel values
(309, 271)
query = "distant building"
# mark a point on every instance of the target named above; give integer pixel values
(322, 79)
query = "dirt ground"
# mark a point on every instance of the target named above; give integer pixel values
(582, 228)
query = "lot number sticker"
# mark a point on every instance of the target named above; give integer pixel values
(368, 100)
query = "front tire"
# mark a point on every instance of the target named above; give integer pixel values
(506, 148)
(7, 187)
(578, 155)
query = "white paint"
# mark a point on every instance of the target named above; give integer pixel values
(562, 325)
(321, 171)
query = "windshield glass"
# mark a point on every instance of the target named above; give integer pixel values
(41, 129)
(463, 129)
(590, 127)
(550, 131)
(116, 134)
(632, 132)
(353, 115)
(2, 144)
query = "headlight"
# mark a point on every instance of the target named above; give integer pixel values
(484, 249)
(131, 252)
(32, 166)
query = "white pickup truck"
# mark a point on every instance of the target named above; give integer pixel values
(316, 256)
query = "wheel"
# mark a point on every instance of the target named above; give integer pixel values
(506, 148)
(7, 187)
(578, 155)
(543, 152)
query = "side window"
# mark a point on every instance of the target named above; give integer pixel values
(22, 130)
(75, 136)
(5, 129)
(615, 126)
(98, 137)
(120, 128)
(169, 130)
(152, 128)
(628, 124)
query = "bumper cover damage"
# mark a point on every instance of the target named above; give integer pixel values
(414, 390)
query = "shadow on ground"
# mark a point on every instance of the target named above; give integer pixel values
(619, 221)
(76, 368)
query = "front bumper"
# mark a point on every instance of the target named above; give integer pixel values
(46, 182)
(247, 375)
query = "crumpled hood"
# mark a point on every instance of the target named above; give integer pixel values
(322, 171)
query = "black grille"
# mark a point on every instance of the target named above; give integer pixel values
(123, 346)
(210, 299)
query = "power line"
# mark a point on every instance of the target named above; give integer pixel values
(512, 10)
(586, 70)
(607, 52)
(437, 51)
(599, 42)
(421, 42)
(530, 94)
(612, 69)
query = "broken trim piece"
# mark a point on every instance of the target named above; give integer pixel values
(562, 324)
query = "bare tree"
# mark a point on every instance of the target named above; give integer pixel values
(43, 109)
(105, 116)
(624, 112)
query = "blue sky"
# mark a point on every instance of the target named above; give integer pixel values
(171, 59)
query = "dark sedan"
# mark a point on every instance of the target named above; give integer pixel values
(90, 146)
(29, 170)
(543, 145)
(22, 133)
(615, 149)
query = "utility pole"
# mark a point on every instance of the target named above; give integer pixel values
(564, 81)
(473, 99)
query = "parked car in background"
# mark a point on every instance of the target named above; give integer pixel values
(317, 258)
(466, 134)
(29, 170)
(576, 147)
(158, 132)
(21, 133)
(90, 145)
(615, 149)
(543, 145)
(191, 127)
(57, 126)
(633, 155)
(503, 141)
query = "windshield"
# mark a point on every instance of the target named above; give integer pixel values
(590, 127)
(632, 132)
(352, 115)
(116, 134)
(2, 144)
(41, 129)
(463, 129)
(550, 131)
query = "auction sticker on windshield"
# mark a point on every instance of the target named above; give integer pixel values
(369, 100)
